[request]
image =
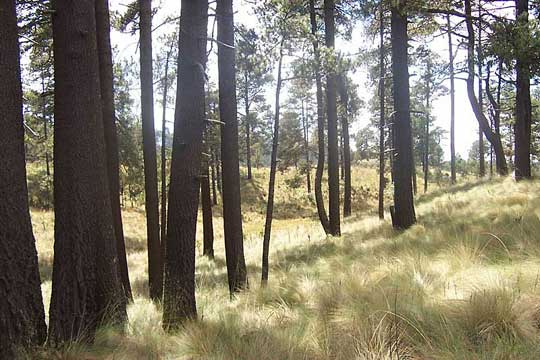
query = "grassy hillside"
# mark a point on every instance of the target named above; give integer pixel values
(462, 284)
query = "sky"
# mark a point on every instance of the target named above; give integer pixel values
(466, 124)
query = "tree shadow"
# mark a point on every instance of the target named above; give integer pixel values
(45, 264)
(457, 189)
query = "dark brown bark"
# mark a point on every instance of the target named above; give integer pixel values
(522, 127)
(232, 208)
(382, 112)
(103, 27)
(305, 128)
(22, 319)
(208, 224)
(272, 182)
(155, 263)
(452, 103)
(404, 214)
(347, 186)
(163, 224)
(483, 122)
(331, 109)
(190, 115)
(86, 288)
(321, 211)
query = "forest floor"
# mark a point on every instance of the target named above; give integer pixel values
(464, 283)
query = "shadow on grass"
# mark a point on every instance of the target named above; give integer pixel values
(457, 189)
(45, 268)
(231, 339)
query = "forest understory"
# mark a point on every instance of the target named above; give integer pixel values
(463, 283)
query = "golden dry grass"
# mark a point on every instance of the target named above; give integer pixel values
(461, 284)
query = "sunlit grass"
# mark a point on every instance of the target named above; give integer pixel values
(464, 283)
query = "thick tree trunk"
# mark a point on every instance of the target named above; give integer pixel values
(331, 108)
(404, 214)
(347, 196)
(163, 224)
(190, 115)
(232, 208)
(483, 122)
(305, 128)
(208, 224)
(319, 198)
(452, 103)
(272, 182)
(155, 263)
(522, 127)
(103, 27)
(382, 100)
(22, 319)
(86, 288)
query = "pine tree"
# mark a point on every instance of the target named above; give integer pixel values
(22, 319)
(155, 263)
(331, 109)
(232, 211)
(86, 288)
(179, 302)
(403, 215)
(111, 137)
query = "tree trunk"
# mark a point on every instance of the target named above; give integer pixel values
(208, 225)
(428, 119)
(452, 103)
(321, 211)
(495, 104)
(190, 115)
(481, 154)
(382, 99)
(414, 179)
(86, 288)
(163, 224)
(305, 128)
(213, 174)
(483, 122)
(331, 108)
(46, 142)
(232, 208)
(341, 146)
(272, 182)
(103, 27)
(404, 214)
(155, 264)
(218, 171)
(347, 198)
(522, 127)
(22, 320)
(248, 126)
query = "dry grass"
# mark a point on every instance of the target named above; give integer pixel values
(461, 284)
